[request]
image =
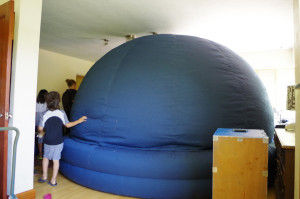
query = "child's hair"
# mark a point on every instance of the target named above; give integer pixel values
(52, 100)
(70, 82)
(41, 96)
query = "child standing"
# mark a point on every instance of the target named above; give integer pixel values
(51, 124)
(41, 107)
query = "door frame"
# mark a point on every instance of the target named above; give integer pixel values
(6, 41)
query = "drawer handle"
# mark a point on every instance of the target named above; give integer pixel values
(240, 130)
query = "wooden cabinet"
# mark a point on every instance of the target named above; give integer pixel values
(285, 160)
(240, 164)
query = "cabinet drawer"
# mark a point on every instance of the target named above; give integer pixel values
(285, 155)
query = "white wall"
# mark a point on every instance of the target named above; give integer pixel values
(32, 70)
(23, 89)
(55, 68)
(276, 70)
(270, 59)
(297, 77)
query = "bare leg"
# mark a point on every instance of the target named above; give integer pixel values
(55, 171)
(45, 168)
(40, 145)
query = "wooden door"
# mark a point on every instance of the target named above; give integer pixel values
(6, 39)
(79, 79)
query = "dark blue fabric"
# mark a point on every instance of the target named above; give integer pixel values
(139, 187)
(53, 131)
(139, 163)
(137, 172)
(271, 164)
(153, 105)
(169, 92)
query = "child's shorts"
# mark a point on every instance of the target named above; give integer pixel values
(40, 140)
(53, 152)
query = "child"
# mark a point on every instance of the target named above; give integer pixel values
(51, 123)
(40, 108)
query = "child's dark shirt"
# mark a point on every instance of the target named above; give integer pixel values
(53, 122)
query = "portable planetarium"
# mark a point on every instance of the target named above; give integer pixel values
(153, 105)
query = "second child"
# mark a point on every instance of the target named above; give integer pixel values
(51, 125)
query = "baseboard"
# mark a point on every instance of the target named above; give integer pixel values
(27, 194)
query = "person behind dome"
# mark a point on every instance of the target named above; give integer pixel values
(68, 96)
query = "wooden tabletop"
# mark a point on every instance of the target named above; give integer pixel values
(286, 138)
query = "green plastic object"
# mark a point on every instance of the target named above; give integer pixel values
(12, 182)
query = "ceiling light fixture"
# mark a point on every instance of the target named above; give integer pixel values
(105, 41)
(130, 37)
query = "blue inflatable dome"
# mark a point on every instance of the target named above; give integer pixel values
(153, 105)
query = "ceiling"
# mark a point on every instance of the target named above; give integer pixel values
(77, 27)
